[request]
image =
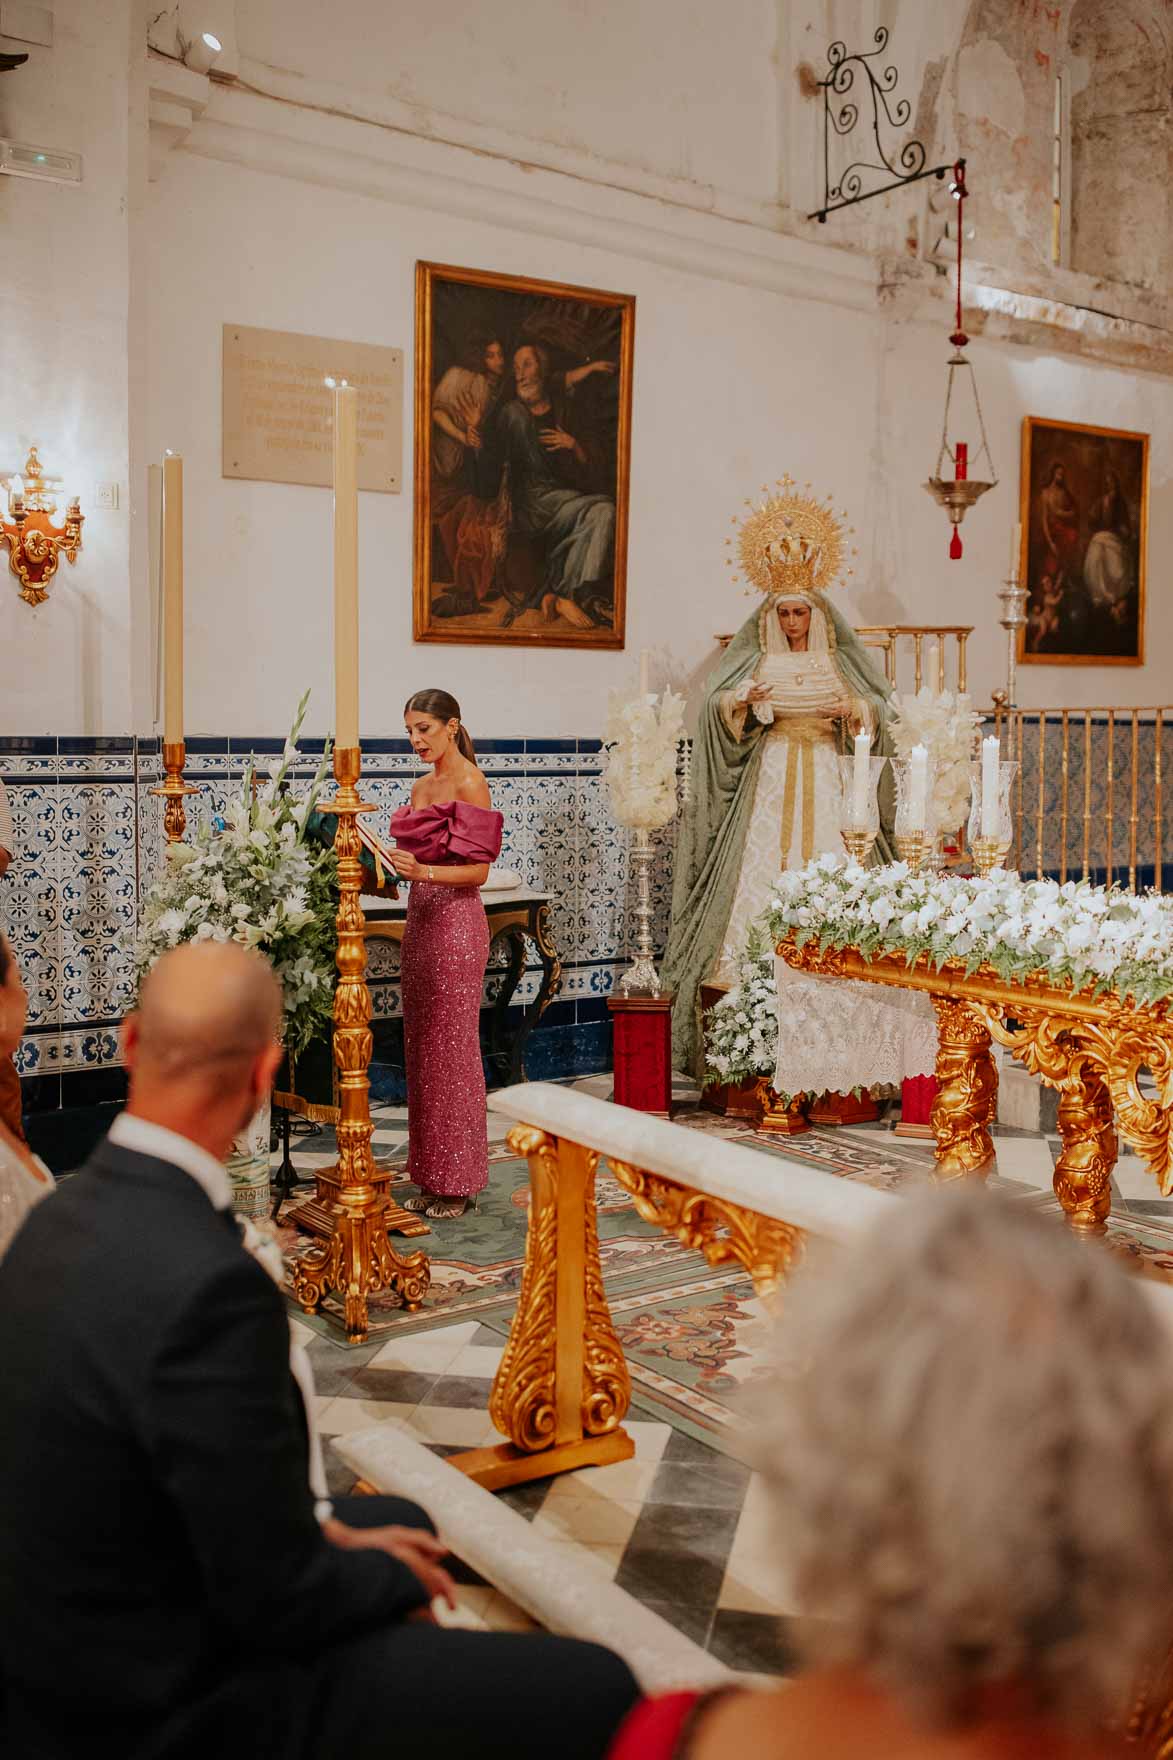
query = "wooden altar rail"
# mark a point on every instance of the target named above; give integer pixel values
(1089, 794)
(563, 1386)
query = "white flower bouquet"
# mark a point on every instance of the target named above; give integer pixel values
(1076, 934)
(741, 1030)
(641, 742)
(945, 722)
(253, 878)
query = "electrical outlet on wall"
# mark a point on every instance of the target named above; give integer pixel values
(106, 495)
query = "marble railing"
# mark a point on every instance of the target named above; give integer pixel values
(563, 1386)
(88, 837)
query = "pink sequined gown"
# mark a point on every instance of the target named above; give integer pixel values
(445, 950)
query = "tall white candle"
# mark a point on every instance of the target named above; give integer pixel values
(991, 754)
(643, 672)
(172, 599)
(860, 777)
(346, 565)
(918, 787)
(1016, 551)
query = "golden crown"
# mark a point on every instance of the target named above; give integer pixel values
(791, 543)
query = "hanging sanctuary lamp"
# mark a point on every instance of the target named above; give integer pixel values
(957, 494)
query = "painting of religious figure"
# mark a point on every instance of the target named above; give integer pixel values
(1084, 531)
(522, 443)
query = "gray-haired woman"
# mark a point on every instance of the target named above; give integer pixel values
(972, 1481)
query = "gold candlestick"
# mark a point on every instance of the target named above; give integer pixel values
(173, 790)
(912, 847)
(356, 1259)
(857, 843)
(989, 853)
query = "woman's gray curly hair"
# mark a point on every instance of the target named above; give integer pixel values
(972, 1471)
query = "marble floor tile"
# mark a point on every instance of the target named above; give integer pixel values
(427, 1350)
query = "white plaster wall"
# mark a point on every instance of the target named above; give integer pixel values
(733, 384)
(912, 578)
(684, 89)
(64, 289)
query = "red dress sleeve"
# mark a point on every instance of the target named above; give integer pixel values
(451, 832)
(654, 1729)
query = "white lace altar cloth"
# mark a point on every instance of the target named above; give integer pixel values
(835, 1034)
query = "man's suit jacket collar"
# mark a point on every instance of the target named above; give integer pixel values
(141, 1137)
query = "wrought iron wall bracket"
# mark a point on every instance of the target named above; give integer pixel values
(901, 168)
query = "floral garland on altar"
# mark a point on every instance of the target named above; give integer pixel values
(252, 878)
(1086, 936)
(741, 1030)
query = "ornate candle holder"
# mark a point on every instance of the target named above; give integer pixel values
(173, 790)
(913, 847)
(859, 832)
(989, 853)
(356, 1259)
(641, 977)
(916, 830)
(989, 849)
(1013, 618)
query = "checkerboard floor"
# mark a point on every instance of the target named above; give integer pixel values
(683, 1527)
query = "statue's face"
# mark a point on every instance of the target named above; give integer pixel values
(795, 622)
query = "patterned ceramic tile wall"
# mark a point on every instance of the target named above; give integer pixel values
(88, 832)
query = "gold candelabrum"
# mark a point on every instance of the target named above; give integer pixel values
(173, 790)
(356, 1259)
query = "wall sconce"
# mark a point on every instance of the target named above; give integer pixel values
(35, 544)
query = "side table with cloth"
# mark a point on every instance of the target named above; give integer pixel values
(838, 1034)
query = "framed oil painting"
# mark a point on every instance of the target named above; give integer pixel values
(1085, 506)
(522, 448)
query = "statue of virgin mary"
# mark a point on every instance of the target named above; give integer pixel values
(790, 689)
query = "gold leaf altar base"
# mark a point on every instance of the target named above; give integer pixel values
(356, 1259)
(1091, 1048)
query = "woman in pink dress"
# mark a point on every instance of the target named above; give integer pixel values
(446, 840)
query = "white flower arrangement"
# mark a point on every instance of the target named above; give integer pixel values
(741, 1030)
(641, 741)
(252, 877)
(946, 723)
(1075, 934)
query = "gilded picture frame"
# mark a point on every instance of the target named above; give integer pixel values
(1084, 514)
(522, 460)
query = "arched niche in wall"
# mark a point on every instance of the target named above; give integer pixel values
(1117, 66)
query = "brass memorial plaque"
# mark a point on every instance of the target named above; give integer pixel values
(278, 414)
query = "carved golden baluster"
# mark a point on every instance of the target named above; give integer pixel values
(1083, 1172)
(967, 1091)
(724, 1232)
(562, 1387)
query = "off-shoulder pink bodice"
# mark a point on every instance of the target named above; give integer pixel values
(449, 833)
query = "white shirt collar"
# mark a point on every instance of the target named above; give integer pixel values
(144, 1138)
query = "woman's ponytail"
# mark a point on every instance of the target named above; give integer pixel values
(464, 744)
